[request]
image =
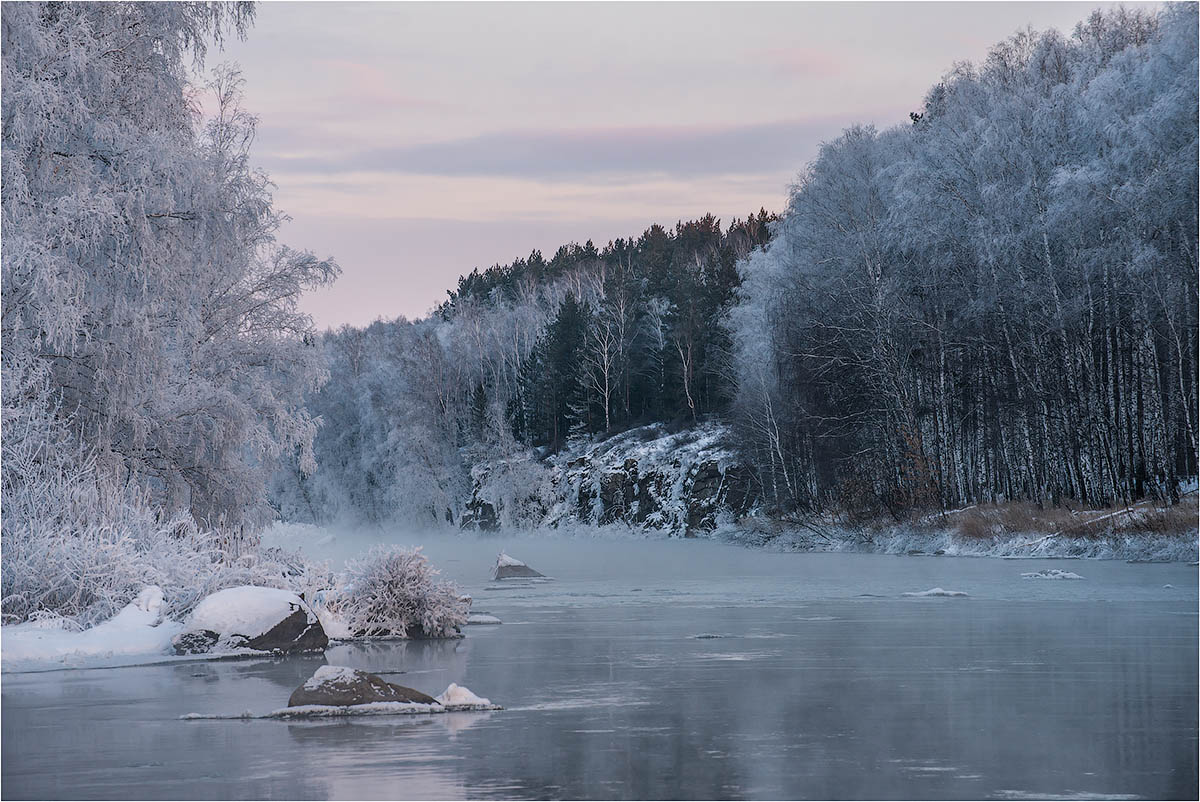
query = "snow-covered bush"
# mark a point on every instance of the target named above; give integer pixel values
(393, 591)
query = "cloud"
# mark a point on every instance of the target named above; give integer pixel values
(367, 86)
(677, 151)
(809, 62)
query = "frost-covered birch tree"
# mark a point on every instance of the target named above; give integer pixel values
(997, 301)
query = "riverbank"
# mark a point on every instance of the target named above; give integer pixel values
(1141, 532)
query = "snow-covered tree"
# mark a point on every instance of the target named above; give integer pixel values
(997, 301)
(141, 268)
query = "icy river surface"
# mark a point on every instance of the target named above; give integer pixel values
(678, 669)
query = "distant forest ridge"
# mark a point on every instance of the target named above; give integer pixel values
(656, 239)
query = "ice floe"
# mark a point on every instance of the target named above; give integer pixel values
(1051, 573)
(936, 592)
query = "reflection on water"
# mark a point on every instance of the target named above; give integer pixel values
(933, 698)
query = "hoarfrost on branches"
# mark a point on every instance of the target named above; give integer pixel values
(393, 591)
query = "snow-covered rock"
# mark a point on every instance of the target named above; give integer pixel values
(454, 699)
(338, 686)
(649, 478)
(261, 619)
(510, 567)
(483, 618)
(1052, 573)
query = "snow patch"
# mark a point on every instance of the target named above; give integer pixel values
(138, 629)
(457, 695)
(483, 618)
(330, 674)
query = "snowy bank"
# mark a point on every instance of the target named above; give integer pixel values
(1151, 547)
(47, 643)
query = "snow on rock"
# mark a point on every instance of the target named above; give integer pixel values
(339, 691)
(648, 478)
(506, 560)
(246, 611)
(137, 630)
(458, 696)
(937, 592)
(508, 567)
(248, 617)
(483, 618)
(1052, 573)
(334, 674)
(339, 686)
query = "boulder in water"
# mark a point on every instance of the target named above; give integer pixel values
(262, 619)
(337, 686)
(510, 567)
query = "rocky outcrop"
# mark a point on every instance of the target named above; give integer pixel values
(338, 687)
(648, 478)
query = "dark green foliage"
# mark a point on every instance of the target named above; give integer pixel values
(659, 298)
(552, 381)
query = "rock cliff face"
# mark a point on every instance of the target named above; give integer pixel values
(646, 478)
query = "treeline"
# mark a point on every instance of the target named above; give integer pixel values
(997, 301)
(525, 355)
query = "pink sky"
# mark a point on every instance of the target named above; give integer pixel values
(416, 141)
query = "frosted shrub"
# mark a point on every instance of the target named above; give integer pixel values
(394, 591)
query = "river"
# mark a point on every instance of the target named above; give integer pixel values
(678, 669)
